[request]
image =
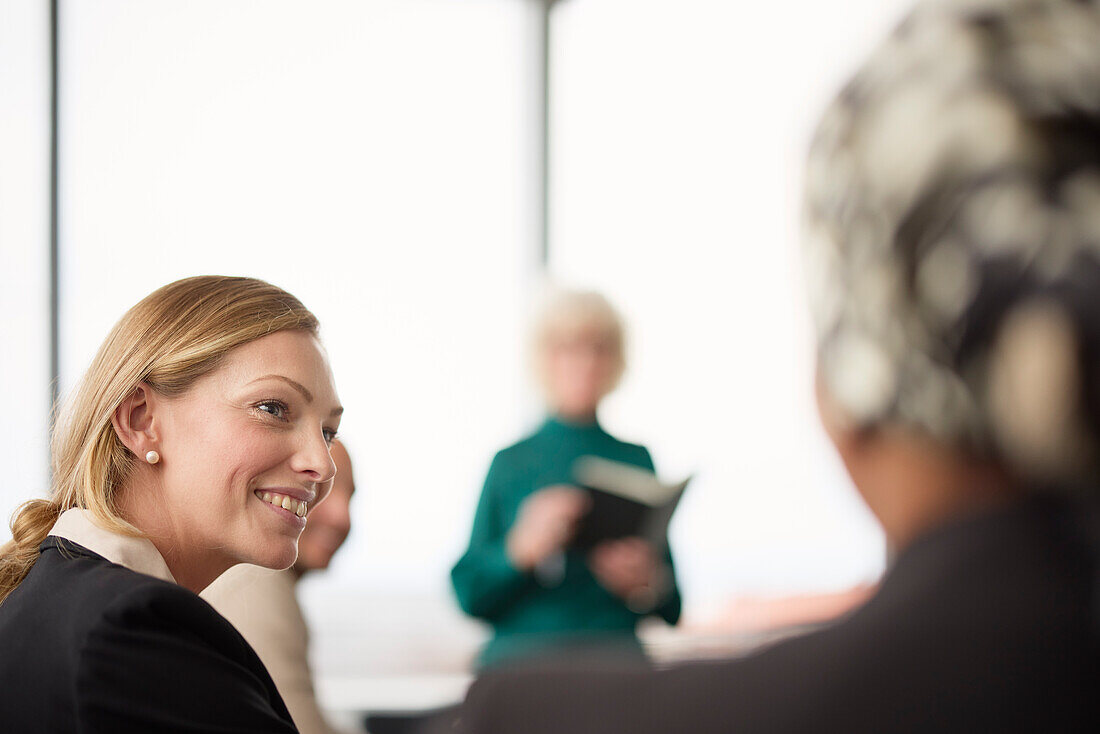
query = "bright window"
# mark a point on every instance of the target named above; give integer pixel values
(24, 251)
(679, 131)
(370, 157)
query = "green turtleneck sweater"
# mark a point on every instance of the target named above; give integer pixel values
(528, 616)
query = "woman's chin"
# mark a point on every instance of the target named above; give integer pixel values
(276, 558)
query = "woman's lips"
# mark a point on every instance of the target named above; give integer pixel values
(285, 502)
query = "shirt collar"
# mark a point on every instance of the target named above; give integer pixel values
(137, 554)
(557, 425)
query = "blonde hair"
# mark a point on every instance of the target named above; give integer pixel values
(171, 338)
(576, 313)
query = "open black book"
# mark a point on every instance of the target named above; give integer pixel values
(626, 501)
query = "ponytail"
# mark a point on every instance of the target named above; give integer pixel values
(29, 526)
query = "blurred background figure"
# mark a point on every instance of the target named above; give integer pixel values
(953, 253)
(519, 573)
(263, 606)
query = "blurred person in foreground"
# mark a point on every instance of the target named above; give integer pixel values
(519, 573)
(953, 252)
(262, 604)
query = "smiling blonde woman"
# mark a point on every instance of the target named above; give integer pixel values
(198, 439)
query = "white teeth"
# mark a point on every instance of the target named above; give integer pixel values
(288, 502)
(301, 511)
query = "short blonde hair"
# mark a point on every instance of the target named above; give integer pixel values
(170, 339)
(577, 313)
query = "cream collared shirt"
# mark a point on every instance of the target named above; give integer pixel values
(137, 554)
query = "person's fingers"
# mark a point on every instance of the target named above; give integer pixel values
(604, 556)
(639, 553)
(543, 513)
(554, 500)
(630, 563)
(642, 553)
(631, 554)
(622, 564)
(582, 502)
(600, 554)
(542, 500)
(571, 504)
(610, 555)
(599, 565)
(623, 567)
(563, 530)
(560, 493)
(637, 547)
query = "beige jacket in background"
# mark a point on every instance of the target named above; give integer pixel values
(262, 605)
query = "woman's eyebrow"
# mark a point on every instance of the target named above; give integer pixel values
(338, 410)
(293, 383)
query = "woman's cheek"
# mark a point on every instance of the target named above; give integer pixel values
(265, 447)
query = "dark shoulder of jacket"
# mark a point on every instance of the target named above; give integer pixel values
(153, 603)
(115, 595)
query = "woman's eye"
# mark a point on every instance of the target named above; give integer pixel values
(273, 408)
(330, 436)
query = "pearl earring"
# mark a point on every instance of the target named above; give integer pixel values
(152, 457)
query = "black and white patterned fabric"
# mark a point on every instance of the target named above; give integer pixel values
(952, 231)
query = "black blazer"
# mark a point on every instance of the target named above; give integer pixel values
(987, 625)
(89, 646)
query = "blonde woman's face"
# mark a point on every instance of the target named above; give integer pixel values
(245, 451)
(579, 370)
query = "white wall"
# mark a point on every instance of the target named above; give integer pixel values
(24, 253)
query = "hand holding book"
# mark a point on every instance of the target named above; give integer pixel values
(546, 523)
(625, 501)
(630, 569)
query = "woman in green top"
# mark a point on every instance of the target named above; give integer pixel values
(519, 573)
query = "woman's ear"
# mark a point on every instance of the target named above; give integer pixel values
(857, 445)
(135, 421)
(838, 425)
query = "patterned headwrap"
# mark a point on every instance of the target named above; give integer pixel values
(952, 232)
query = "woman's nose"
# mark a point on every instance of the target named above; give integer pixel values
(314, 458)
